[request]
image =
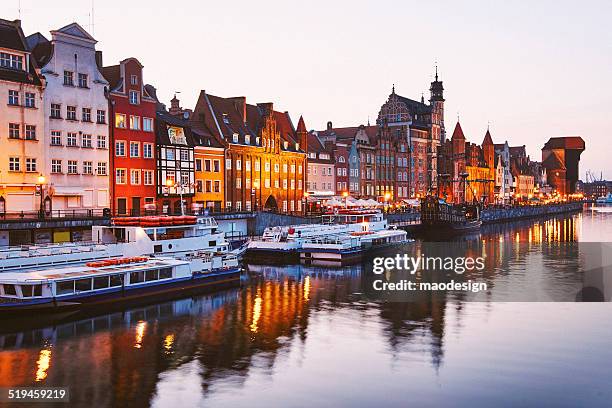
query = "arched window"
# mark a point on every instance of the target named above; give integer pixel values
(341, 159)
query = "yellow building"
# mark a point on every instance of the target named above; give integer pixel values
(209, 156)
(481, 184)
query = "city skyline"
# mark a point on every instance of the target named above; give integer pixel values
(305, 74)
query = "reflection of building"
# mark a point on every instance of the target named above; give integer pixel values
(76, 119)
(175, 162)
(21, 122)
(560, 157)
(132, 145)
(264, 153)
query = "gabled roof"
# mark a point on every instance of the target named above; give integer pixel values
(301, 127)
(458, 132)
(75, 30)
(568, 142)
(12, 38)
(415, 107)
(112, 74)
(487, 139)
(163, 120)
(348, 133)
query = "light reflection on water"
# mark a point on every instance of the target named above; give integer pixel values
(297, 336)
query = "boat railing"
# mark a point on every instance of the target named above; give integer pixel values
(27, 251)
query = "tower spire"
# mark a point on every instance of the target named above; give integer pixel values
(393, 90)
(436, 71)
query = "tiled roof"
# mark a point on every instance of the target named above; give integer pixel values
(568, 142)
(488, 140)
(113, 75)
(163, 119)
(458, 132)
(11, 37)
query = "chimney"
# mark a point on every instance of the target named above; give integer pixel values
(266, 107)
(99, 59)
(175, 108)
(329, 125)
(240, 106)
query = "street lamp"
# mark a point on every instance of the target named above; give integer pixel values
(171, 183)
(345, 194)
(41, 182)
(387, 198)
(305, 200)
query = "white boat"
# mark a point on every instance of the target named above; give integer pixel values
(607, 199)
(126, 237)
(110, 281)
(344, 249)
(283, 243)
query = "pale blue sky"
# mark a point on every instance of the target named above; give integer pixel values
(535, 69)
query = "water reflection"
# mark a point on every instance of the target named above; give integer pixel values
(315, 327)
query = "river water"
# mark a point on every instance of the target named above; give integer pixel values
(305, 336)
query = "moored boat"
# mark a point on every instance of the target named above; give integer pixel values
(94, 284)
(439, 218)
(607, 199)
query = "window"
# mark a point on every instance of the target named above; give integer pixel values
(285, 184)
(184, 178)
(147, 150)
(30, 101)
(276, 167)
(86, 114)
(198, 164)
(87, 167)
(30, 164)
(134, 177)
(247, 139)
(133, 80)
(101, 117)
(169, 154)
(120, 176)
(147, 124)
(56, 166)
(69, 78)
(267, 183)
(228, 164)
(101, 169)
(72, 167)
(235, 138)
(101, 282)
(247, 183)
(13, 131)
(82, 80)
(284, 167)
(13, 97)
(56, 111)
(293, 168)
(276, 184)
(206, 165)
(257, 165)
(14, 164)
(30, 132)
(11, 61)
(247, 205)
(120, 120)
(293, 184)
(238, 183)
(147, 176)
(184, 155)
(116, 280)
(134, 122)
(120, 148)
(238, 164)
(217, 186)
(208, 186)
(71, 113)
(71, 139)
(56, 138)
(101, 142)
(134, 149)
(134, 97)
(65, 287)
(247, 165)
(86, 141)
(199, 186)
(267, 166)
(300, 169)
(216, 166)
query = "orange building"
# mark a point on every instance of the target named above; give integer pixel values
(209, 157)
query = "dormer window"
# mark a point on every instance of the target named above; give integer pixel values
(247, 139)
(11, 61)
(297, 146)
(285, 145)
(235, 138)
(134, 80)
(257, 140)
(225, 119)
(134, 99)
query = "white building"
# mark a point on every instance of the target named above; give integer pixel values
(21, 122)
(76, 136)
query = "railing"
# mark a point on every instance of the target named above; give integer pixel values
(54, 214)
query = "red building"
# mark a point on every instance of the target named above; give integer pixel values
(132, 139)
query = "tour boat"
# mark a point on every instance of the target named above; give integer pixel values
(441, 218)
(344, 249)
(111, 281)
(607, 199)
(126, 237)
(282, 243)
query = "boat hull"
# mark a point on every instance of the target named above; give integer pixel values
(434, 229)
(122, 296)
(268, 256)
(343, 257)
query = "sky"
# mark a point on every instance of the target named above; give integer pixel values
(530, 70)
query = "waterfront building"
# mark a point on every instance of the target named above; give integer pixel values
(265, 155)
(560, 157)
(320, 175)
(175, 163)
(407, 142)
(506, 182)
(21, 123)
(76, 131)
(132, 139)
(209, 174)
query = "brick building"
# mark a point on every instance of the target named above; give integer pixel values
(560, 157)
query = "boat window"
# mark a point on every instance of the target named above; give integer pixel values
(157, 248)
(152, 275)
(165, 273)
(9, 290)
(115, 280)
(83, 285)
(65, 287)
(31, 290)
(212, 243)
(100, 282)
(137, 277)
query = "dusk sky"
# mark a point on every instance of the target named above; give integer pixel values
(533, 70)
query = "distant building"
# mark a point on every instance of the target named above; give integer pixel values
(560, 157)
(320, 176)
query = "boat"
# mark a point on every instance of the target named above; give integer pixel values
(123, 280)
(281, 244)
(441, 218)
(125, 237)
(350, 248)
(607, 199)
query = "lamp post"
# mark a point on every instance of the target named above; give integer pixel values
(387, 197)
(305, 201)
(40, 182)
(345, 194)
(171, 183)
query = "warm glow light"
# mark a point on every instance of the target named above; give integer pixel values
(169, 342)
(41, 179)
(307, 288)
(345, 194)
(169, 182)
(140, 330)
(256, 314)
(43, 364)
(387, 196)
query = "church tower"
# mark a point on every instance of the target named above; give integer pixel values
(437, 103)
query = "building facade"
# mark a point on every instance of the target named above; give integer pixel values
(132, 139)
(560, 157)
(209, 174)
(76, 120)
(265, 155)
(21, 124)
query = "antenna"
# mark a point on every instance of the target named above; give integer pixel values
(19, 9)
(93, 23)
